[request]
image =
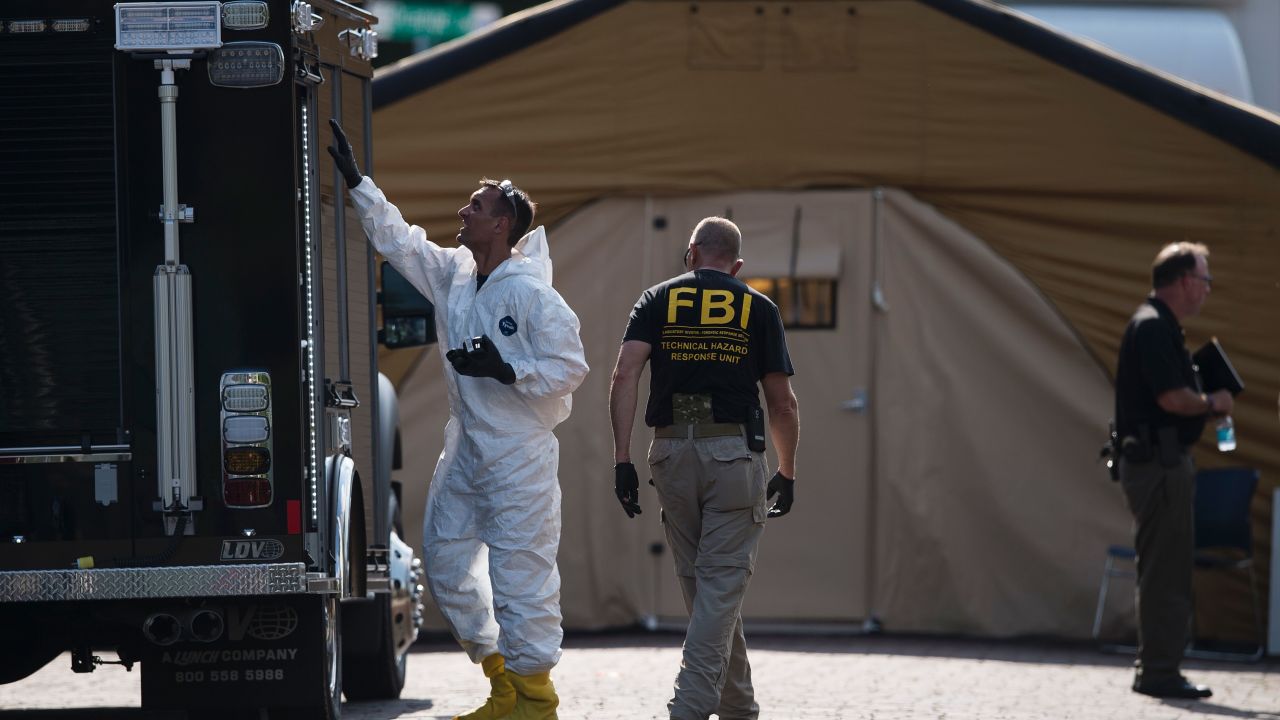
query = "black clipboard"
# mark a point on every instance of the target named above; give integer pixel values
(1215, 369)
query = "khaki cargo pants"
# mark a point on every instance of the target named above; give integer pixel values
(712, 492)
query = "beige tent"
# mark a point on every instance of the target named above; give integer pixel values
(960, 205)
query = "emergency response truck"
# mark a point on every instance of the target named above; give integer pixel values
(195, 442)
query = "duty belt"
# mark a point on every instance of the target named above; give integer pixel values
(698, 430)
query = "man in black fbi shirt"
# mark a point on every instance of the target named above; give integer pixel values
(711, 340)
(1160, 413)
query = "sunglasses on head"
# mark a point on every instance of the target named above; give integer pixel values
(510, 191)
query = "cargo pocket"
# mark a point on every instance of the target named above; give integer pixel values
(733, 473)
(661, 461)
(661, 449)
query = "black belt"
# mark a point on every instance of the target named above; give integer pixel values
(698, 430)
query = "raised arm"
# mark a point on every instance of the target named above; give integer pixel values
(422, 262)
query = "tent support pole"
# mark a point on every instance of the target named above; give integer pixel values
(872, 621)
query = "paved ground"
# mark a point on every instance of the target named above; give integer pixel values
(628, 677)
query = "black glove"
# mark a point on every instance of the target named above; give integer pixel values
(627, 487)
(483, 360)
(342, 156)
(785, 489)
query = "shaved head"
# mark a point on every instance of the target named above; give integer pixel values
(718, 238)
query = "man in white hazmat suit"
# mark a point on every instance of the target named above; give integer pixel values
(492, 525)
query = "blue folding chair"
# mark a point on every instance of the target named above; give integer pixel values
(1223, 541)
(1115, 553)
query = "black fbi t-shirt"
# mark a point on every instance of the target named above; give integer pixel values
(710, 334)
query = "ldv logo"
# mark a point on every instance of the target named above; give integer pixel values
(251, 550)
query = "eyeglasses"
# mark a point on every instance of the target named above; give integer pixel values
(510, 191)
(688, 254)
(1208, 279)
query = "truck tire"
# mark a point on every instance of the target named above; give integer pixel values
(372, 667)
(38, 645)
(325, 694)
(16, 666)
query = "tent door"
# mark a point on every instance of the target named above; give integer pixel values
(811, 252)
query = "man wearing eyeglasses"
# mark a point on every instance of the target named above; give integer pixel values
(492, 525)
(1160, 413)
(712, 341)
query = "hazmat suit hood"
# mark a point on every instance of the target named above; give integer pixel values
(533, 250)
(531, 255)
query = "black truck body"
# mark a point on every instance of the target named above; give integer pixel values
(195, 442)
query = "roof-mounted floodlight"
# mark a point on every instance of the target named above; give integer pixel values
(176, 26)
(245, 15)
(246, 65)
(362, 43)
(304, 19)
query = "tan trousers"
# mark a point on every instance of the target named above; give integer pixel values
(712, 492)
(1160, 499)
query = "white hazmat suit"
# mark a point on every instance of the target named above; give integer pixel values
(492, 525)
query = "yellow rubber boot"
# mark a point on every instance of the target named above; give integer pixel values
(536, 697)
(502, 696)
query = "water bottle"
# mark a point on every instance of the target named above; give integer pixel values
(1226, 434)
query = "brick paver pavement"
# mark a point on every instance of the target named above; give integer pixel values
(628, 677)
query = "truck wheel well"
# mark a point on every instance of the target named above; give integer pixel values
(397, 461)
(358, 544)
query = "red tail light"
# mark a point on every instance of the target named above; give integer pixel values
(246, 492)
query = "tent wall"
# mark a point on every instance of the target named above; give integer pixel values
(945, 505)
(1066, 162)
(994, 514)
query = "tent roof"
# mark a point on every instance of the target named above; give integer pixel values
(1249, 128)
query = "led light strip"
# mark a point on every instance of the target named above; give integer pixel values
(310, 341)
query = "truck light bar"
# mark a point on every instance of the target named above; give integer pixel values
(174, 26)
(73, 25)
(39, 25)
(26, 26)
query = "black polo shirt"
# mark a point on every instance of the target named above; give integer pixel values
(710, 334)
(1154, 359)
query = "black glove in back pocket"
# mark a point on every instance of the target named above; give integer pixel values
(755, 428)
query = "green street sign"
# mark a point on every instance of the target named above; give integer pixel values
(433, 22)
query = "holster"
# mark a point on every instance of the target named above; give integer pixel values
(1142, 448)
(1110, 453)
(1138, 448)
